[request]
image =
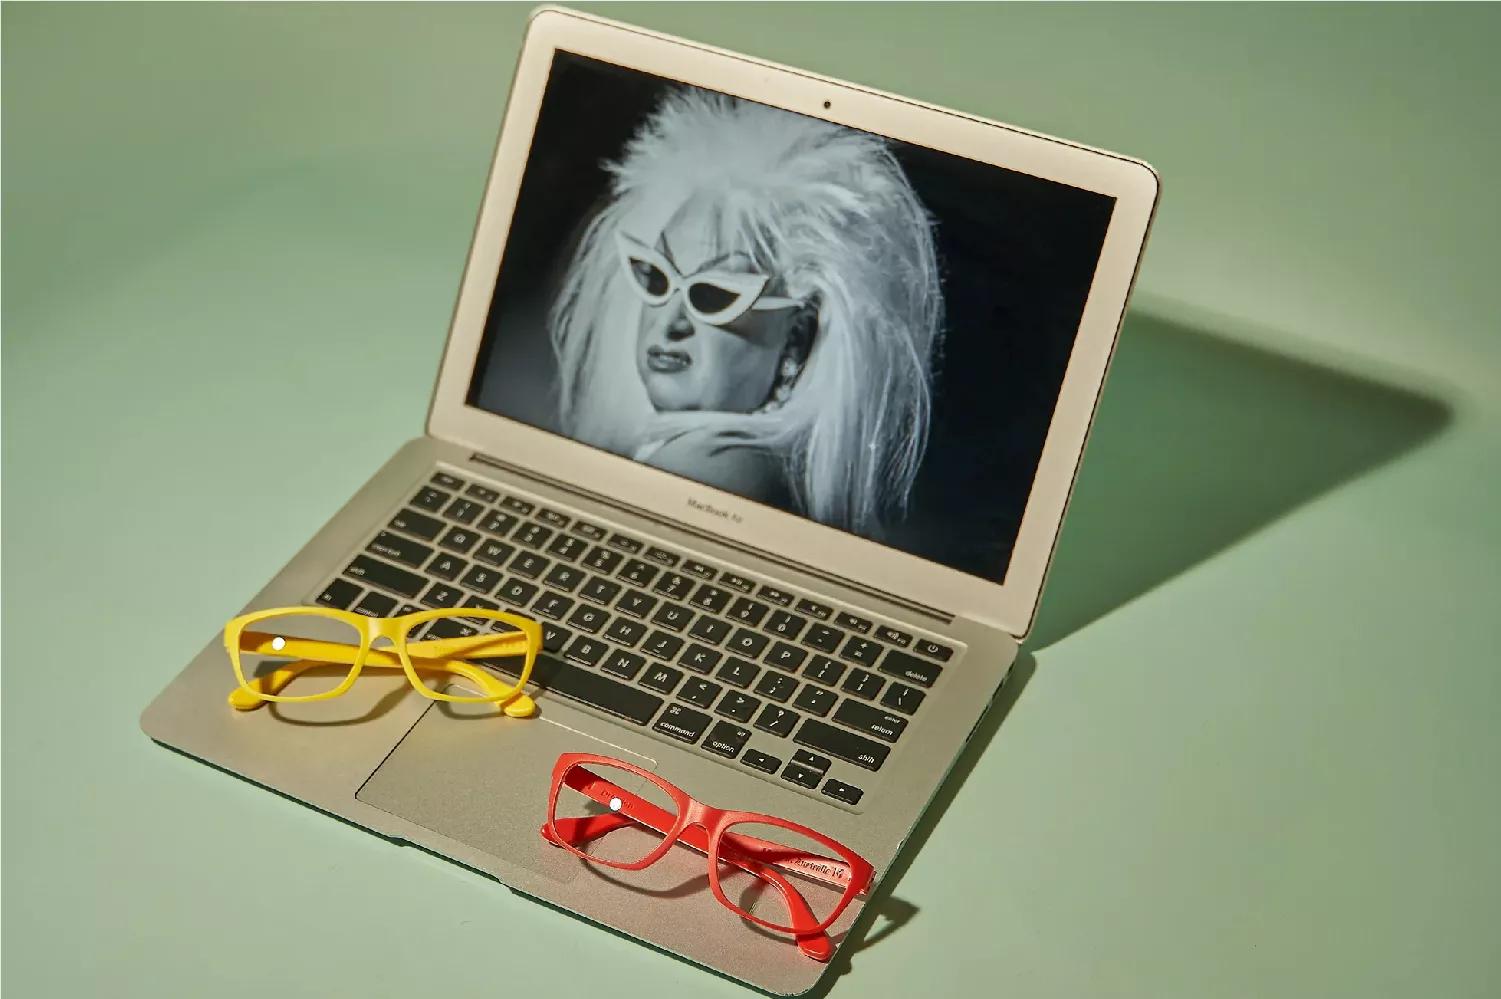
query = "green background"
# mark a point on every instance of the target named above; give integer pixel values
(1256, 752)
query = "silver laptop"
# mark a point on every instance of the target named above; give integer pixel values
(765, 394)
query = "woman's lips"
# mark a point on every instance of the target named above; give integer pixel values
(667, 362)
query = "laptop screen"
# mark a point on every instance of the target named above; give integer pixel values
(864, 332)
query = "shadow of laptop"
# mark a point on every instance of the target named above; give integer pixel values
(1199, 442)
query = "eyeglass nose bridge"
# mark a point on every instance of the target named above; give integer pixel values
(383, 627)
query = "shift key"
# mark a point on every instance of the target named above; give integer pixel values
(845, 745)
(386, 576)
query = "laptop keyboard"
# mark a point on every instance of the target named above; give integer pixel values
(699, 654)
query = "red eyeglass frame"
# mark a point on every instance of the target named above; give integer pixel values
(701, 828)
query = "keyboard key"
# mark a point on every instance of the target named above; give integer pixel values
(847, 620)
(748, 643)
(448, 627)
(735, 582)
(841, 744)
(748, 611)
(862, 684)
(674, 616)
(417, 524)
(603, 560)
(861, 650)
(625, 665)
(552, 605)
(639, 572)
(674, 585)
(699, 691)
(601, 591)
(872, 721)
(812, 761)
(840, 791)
(787, 657)
(442, 595)
(375, 605)
(823, 638)
(430, 499)
(737, 672)
(586, 687)
(464, 511)
(447, 481)
(893, 636)
(446, 567)
(776, 686)
(586, 651)
(386, 576)
(459, 539)
(699, 658)
(663, 678)
(590, 531)
(801, 775)
(777, 720)
(682, 723)
(588, 618)
(517, 592)
(933, 650)
(566, 546)
(813, 609)
(727, 740)
(662, 556)
(494, 553)
(552, 518)
(624, 543)
(636, 603)
(738, 706)
(662, 645)
(824, 670)
(564, 577)
(786, 625)
(764, 762)
(710, 598)
(473, 601)
(815, 700)
(499, 523)
(480, 580)
(529, 564)
(406, 609)
(709, 629)
(532, 535)
(554, 636)
(340, 593)
(516, 505)
(908, 667)
(698, 569)
(481, 493)
(776, 596)
(903, 698)
(625, 632)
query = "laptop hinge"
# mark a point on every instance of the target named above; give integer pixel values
(930, 612)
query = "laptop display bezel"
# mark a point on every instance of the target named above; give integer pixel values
(1011, 604)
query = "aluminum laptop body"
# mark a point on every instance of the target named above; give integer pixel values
(880, 457)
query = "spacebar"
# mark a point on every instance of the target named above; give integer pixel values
(577, 684)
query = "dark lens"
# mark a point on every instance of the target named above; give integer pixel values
(711, 298)
(650, 277)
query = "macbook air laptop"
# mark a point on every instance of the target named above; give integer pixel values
(765, 393)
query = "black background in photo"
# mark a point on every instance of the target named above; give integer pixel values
(1016, 253)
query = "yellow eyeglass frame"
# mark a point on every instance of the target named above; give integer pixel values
(433, 655)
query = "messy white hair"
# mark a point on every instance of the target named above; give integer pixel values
(828, 212)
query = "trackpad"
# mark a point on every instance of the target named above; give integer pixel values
(483, 780)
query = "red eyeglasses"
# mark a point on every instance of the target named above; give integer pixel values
(612, 813)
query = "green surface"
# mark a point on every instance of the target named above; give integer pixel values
(1257, 752)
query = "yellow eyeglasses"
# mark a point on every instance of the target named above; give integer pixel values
(323, 650)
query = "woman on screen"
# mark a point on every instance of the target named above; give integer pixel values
(756, 308)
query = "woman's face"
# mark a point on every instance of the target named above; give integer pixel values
(689, 364)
